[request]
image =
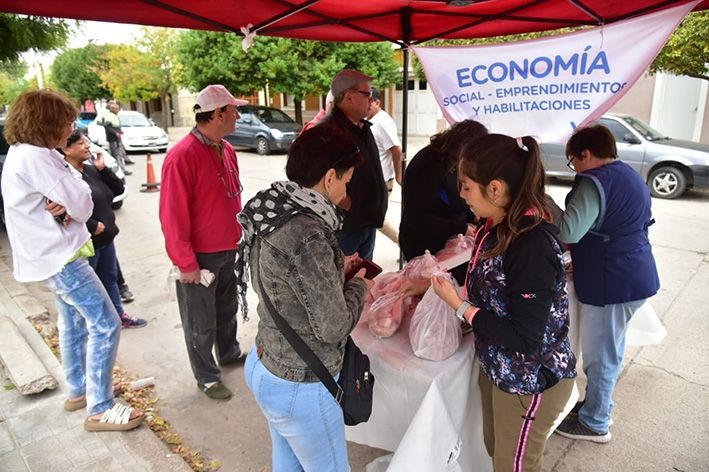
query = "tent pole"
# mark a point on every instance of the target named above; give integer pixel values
(406, 29)
(404, 133)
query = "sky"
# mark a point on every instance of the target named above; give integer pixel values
(84, 32)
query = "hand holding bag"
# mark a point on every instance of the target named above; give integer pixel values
(354, 389)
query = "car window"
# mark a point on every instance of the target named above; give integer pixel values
(619, 131)
(271, 115)
(245, 117)
(134, 120)
(643, 128)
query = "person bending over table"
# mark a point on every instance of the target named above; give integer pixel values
(516, 302)
(290, 245)
(432, 210)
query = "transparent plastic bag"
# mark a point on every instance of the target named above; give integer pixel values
(435, 333)
(422, 267)
(173, 276)
(456, 245)
(385, 315)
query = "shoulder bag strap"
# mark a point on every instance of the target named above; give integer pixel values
(299, 345)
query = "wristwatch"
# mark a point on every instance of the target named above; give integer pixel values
(460, 312)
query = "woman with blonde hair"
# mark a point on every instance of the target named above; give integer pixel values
(46, 208)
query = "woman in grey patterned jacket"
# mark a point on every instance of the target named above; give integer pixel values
(289, 244)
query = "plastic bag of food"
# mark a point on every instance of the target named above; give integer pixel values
(422, 267)
(456, 245)
(385, 315)
(435, 333)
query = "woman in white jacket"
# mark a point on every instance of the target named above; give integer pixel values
(46, 207)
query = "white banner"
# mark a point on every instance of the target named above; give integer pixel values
(546, 87)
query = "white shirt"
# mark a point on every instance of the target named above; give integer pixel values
(41, 246)
(384, 131)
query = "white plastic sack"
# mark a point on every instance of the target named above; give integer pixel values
(645, 328)
(435, 333)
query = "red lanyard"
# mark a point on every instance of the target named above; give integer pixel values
(474, 260)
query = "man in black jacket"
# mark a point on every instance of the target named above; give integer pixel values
(366, 202)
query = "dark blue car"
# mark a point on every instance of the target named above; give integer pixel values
(263, 129)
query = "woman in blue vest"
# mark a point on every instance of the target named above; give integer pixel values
(606, 222)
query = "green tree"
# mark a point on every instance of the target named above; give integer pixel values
(12, 82)
(374, 59)
(210, 57)
(19, 34)
(159, 44)
(687, 51)
(143, 72)
(76, 72)
(299, 68)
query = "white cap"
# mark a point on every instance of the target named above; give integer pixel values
(213, 97)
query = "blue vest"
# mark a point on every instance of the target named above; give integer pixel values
(613, 262)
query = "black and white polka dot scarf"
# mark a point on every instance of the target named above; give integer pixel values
(269, 210)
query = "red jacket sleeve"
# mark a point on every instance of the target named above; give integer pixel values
(177, 183)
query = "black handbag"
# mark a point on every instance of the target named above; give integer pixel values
(354, 390)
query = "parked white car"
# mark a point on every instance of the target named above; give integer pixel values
(139, 133)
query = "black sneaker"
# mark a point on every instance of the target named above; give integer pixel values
(574, 413)
(126, 295)
(128, 160)
(572, 428)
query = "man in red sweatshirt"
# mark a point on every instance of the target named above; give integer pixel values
(199, 200)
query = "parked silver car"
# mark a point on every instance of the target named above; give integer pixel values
(669, 166)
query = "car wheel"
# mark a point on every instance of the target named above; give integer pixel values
(117, 205)
(667, 182)
(262, 147)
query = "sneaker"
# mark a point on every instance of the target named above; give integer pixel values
(574, 413)
(128, 160)
(572, 428)
(234, 361)
(216, 391)
(132, 322)
(126, 295)
(127, 172)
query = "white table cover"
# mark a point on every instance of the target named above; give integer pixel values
(427, 412)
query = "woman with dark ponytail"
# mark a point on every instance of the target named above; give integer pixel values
(516, 300)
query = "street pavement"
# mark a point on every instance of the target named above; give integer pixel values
(662, 398)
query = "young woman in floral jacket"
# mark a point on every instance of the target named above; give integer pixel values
(516, 300)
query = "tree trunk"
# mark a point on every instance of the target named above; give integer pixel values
(298, 111)
(166, 106)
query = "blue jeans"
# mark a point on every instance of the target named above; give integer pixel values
(360, 241)
(602, 331)
(306, 423)
(105, 265)
(89, 329)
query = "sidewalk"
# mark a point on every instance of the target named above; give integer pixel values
(36, 434)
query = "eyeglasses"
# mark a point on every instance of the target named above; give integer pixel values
(366, 93)
(232, 183)
(570, 162)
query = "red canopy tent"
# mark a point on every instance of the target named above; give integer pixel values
(399, 21)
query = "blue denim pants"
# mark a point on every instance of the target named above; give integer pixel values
(105, 265)
(306, 423)
(89, 330)
(602, 331)
(360, 241)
